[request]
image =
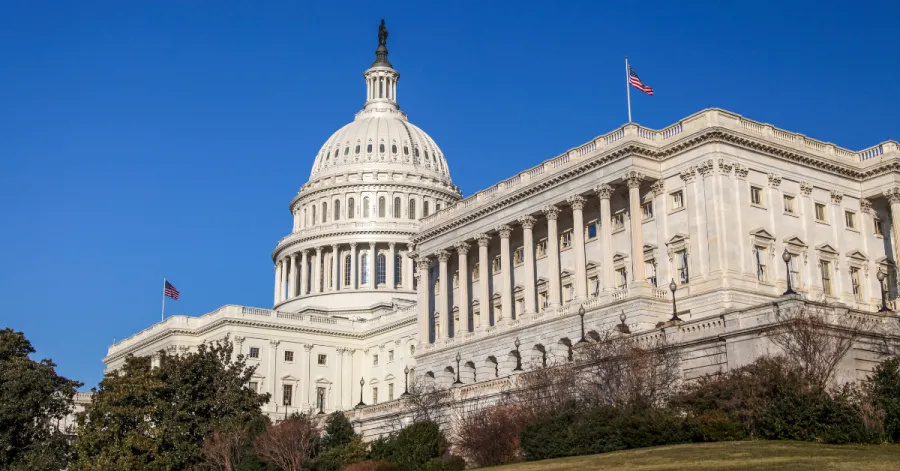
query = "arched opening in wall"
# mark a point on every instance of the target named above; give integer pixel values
(337, 210)
(514, 360)
(314, 219)
(324, 212)
(538, 357)
(593, 335)
(468, 373)
(347, 261)
(449, 376)
(565, 345)
(351, 208)
(412, 209)
(425, 209)
(381, 207)
(398, 270)
(493, 363)
(305, 222)
(366, 207)
(437, 206)
(364, 269)
(380, 269)
(397, 208)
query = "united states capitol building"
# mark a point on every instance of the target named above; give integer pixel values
(388, 273)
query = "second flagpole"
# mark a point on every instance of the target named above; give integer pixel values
(628, 88)
(162, 316)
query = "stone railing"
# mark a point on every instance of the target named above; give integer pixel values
(343, 226)
(334, 324)
(635, 133)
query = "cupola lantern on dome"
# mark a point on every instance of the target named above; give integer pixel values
(381, 78)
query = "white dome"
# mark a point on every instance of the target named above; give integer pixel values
(380, 137)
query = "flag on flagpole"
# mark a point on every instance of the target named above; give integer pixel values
(635, 82)
(170, 291)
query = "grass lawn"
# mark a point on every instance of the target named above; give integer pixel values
(759, 455)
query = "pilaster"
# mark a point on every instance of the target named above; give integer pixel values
(552, 214)
(529, 282)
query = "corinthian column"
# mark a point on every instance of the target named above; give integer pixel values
(893, 197)
(335, 268)
(317, 277)
(277, 281)
(462, 248)
(633, 180)
(304, 272)
(552, 213)
(373, 277)
(577, 204)
(423, 314)
(443, 306)
(527, 226)
(604, 192)
(484, 290)
(284, 274)
(292, 280)
(352, 265)
(506, 311)
(389, 268)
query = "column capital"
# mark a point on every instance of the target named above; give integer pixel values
(633, 179)
(836, 196)
(740, 171)
(318, 250)
(308, 346)
(725, 167)
(442, 255)
(893, 195)
(806, 188)
(274, 343)
(483, 239)
(774, 180)
(551, 212)
(527, 221)
(294, 256)
(462, 247)
(353, 245)
(423, 263)
(689, 174)
(576, 202)
(392, 245)
(504, 230)
(658, 187)
(865, 206)
(334, 247)
(705, 168)
(604, 191)
(239, 339)
(412, 254)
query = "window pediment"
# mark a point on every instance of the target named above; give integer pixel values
(858, 256)
(389, 377)
(676, 239)
(762, 234)
(796, 242)
(827, 249)
(289, 378)
(619, 257)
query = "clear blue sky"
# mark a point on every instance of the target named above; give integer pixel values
(148, 139)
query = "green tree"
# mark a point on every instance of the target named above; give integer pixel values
(885, 387)
(145, 418)
(338, 430)
(33, 399)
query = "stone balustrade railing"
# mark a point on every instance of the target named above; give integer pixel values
(636, 133)
(335, 324)
(345, 226)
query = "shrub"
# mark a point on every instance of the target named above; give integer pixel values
(338, 430)
(371, 465)
(884, 387)
(716, 426)
(339, 457)
(413, 447)
(490, 437)
(450, 463)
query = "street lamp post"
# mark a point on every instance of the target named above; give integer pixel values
(518, 355)
(581, 313)
(672, 288)
(881, 276)
(405, 381)
(362, 383)
(786, 256)
(458, 358)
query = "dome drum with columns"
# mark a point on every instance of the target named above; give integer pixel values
(370, 184)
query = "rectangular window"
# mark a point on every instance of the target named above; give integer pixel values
(789, 205)
(390, 355)
(756, 195)
(621, 277)
(323, 359)
(496, 264)
(647, 210)
(677, 200)
(618, 220)
(820, 212)
(287, 392)
(878, 229)
(288, 356)
(825, 267)
(565, 239)
(541, 248)
(390, 391)
(569, 291)
(854, 280)
(456, 279)
(254, 352)
(650, 270)
(682, 261)
(850, 219)
(594, 284)
(253, 386)
(590, 231)
(794, 266)
(374, 360)
(761, 272)
(542, 301)
(476, 272)
(519, 256)
(374, 395)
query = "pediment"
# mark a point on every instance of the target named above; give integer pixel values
(884, 261)
(678, 238)
(795, 241)
(496, 296)
(373, 381)
(826, 248)
(648, 247)
(591, 264)
(322, 380)
(289, 378)
(476, 303)
(857, 255)
(518, 288)
(762, 233)
(619, 256)
(389, 377)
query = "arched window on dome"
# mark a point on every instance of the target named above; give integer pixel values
(346, 150)
(425, 209)
(381, 148)
(369, 148)
(398, 270)
(324, 212)
(337, 210)
(336, 152)
(397, 209)
(366, 207)
(314, 219)
(381, 208)
(380, 269)
(351, 208)
(364, 269)
(309, 267)
(437, 206)
(305, 222)
(393, 148)
(357, 149)
(412, 209)
(347, 261)
(405, 150)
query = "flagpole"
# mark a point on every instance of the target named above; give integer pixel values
(628, 88)
(162, 316)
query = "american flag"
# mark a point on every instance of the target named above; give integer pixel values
(170, 291)
(635, 81)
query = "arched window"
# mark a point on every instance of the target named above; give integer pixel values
(398, 270)
(346, 150)
(380, 269)
(366, 207)
(412, 209)
(381, 148)
(347, 260)
(437, 206)
(337, 210)
(381, 207)
(351, 208)
(405, 150)
(314, 215)
(425, 209)
(324, 212)
(305, 222)
(369, 148)
(357, 149)
(393, 148)
(364, 269)
(397, 207)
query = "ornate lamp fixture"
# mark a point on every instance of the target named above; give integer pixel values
(581, 312)
(458, 359)
(672, 288)
(881, 276)
(786, 256)
(362, 382)
(518, 355)
(405, 381)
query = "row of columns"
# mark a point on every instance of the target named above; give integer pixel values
(292, 271)
(527, 222)
(382, 87)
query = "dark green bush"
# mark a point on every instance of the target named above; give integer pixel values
(338, 457)
(338, 430)
(412, 448)
(371, 465)
(450, 463)
(716, 426)
(885, 391)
